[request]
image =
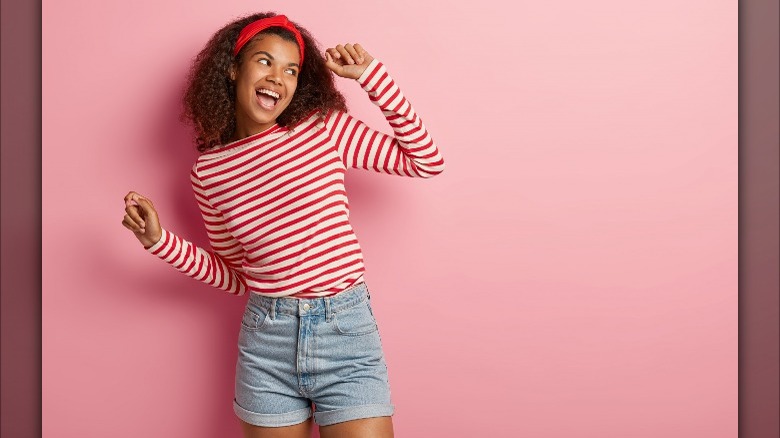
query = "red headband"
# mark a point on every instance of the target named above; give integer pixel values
(256, 27)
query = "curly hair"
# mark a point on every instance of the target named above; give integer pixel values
(209, 98)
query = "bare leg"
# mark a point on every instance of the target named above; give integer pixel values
(377, 427)
(301, 430)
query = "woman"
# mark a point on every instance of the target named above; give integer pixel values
(276, 141)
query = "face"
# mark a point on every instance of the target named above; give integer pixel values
(265, 82)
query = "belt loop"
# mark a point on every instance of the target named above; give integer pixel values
(273, 308)
(328, 313)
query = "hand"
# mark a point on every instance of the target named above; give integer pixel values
(349, 61)
(141, 219)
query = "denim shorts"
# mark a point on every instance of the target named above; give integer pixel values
(321, 355)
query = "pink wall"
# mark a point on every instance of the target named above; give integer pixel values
(573, 273)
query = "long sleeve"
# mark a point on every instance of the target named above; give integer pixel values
(221, 266)
(410, 152)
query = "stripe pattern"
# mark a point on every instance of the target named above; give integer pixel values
(274, 203)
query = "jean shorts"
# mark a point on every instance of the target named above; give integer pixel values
(321, 355)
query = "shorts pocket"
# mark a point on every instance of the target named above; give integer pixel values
(254, 318)
(355, 321)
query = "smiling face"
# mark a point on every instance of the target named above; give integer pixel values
(265, 82)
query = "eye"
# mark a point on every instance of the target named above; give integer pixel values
(264, 61)
(291, 71)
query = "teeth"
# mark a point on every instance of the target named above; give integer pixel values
(269, 92)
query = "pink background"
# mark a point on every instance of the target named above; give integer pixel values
(572, 273)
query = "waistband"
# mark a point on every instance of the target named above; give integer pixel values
(345, 299)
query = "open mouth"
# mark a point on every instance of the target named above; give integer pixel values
(267, 98)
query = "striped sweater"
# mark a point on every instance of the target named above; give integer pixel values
(275, 206)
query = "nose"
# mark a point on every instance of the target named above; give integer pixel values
(274, 77)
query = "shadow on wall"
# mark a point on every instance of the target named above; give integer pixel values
(174, 146)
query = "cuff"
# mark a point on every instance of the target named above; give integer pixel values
(365, 79)
(165, 242)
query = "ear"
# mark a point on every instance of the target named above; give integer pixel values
(232, 72)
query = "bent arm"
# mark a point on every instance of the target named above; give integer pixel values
(410, 151)
(220, 267)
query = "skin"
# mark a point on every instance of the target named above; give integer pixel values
(348, 61)
(378, 427)
(269, 62)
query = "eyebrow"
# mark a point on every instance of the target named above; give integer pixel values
(263, 52)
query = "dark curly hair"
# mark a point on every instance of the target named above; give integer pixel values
(209, 99)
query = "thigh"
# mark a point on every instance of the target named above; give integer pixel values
(266, 384)
(378, 427)
(352, 379)
(301, 430)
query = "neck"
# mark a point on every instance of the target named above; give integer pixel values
(244, 132)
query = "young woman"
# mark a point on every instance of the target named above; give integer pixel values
(276, 141)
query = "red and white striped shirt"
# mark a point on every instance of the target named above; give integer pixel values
(274, 203)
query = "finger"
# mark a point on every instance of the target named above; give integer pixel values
(130, 196)
(145, 205)
(363, 53)
(132, 211)
(345, 55)
(331, 64)
(335, 56)
(132, 225)
(353, 53)
(334, 53)
(124, 224)
(148, 208)
(360, 51)
(131, 228)
(146, 199)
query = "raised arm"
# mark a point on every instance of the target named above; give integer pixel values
(410, 151)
